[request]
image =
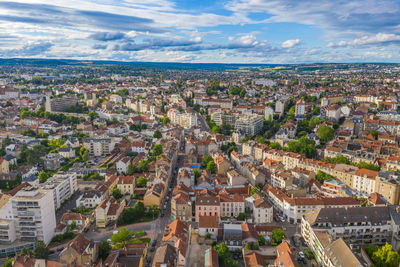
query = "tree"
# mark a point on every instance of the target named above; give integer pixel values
(165, 120)
(208, 236)
(122, 236)
(141, 182)
(261, 140)
(261, 240)
(278, 235)
(242, 216)
(206, 159)
(322, 176)
(116, 193)
(212, 167)
(375, 134)
(41, 251)
(8, 263)
(104, 249)
(247, 246)
(72, 226)
(43, 176)
(131, 169)
(154, 210)
(383, 256)
(325, 133)
(222, 250)
(157, 150)
(157, 134)
(85, 156)
(26, 252)
(292, 110)
(303, 146)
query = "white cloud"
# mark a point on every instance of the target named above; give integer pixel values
(339, 44)
(376, 39)
(291, 43)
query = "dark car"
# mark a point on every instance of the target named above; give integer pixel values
(153, 243)
(60, 249)
(152, 249)
(52, 251)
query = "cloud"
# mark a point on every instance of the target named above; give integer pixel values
(380, 38)
(339, 44)
(291, 43)
(155, 43)
(107, 36)
(99, 47)
(28, 50)
(339, 17)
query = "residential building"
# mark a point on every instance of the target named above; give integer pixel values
(262, 211)
(208, 225)
(207, 206)
(34, 214)
(126, 184)
(249, 124)
(90, 199)
(63, 186)
(231, 204)
(108, 211)
(181, 207)
(60, 104)
(80, 252)
(99, 146)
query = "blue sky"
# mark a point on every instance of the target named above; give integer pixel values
(229, 31)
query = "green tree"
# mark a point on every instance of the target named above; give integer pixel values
(385, 256)
(141, 182)
(278, 235)
(206, 160)
(116, 193)
(104, 249)
(322, 176)
(261, 240)
(242, 216)
(157, 134)
(72, 226)
(303, 146)
(157, 150)
(247, 246)
(375, 134)
(165, 120)
(131, 169)
(8, 263)
(26, 252)
(261, 140)
(41, 251)
(122, 236)
(85, 156)
(222, 250)
(325, 133)
(154, 210)
(43, 176)
(212, 167)
(292, 110)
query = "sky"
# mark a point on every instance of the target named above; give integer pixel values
(202, 31)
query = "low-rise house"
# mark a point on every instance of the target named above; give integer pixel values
(90, 199)
(234, 178)
(81, 221)
(80, 252)
(208, 225)
(153, 196)
(108, 211)
(122, 164)
(67, 152)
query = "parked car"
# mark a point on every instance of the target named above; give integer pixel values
(60, 249)
(301, 254)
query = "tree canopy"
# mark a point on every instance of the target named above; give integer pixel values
(325, 133)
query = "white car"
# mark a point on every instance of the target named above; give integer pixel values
(301, 254)
(115, 232)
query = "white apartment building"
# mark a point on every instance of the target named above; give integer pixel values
(364, 182)
(262, 211)
(300, 109)
(34, 214)
(281, 179)
(249, 124)
(63, 186)
(268, 113)
(99, 146)
(184, 119)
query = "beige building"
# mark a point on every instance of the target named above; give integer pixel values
(153, 196)
(262, 211)
(108, 211)
(181, 207)
(231, 205)
(80, 252)
(4, 166)
(126, 184)
(388, 187)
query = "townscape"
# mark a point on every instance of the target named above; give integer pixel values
(108, 164)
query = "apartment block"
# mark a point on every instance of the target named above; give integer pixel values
(99, 146)
(34, 214)
(249, 124)
(60, 104)
(63, 187)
